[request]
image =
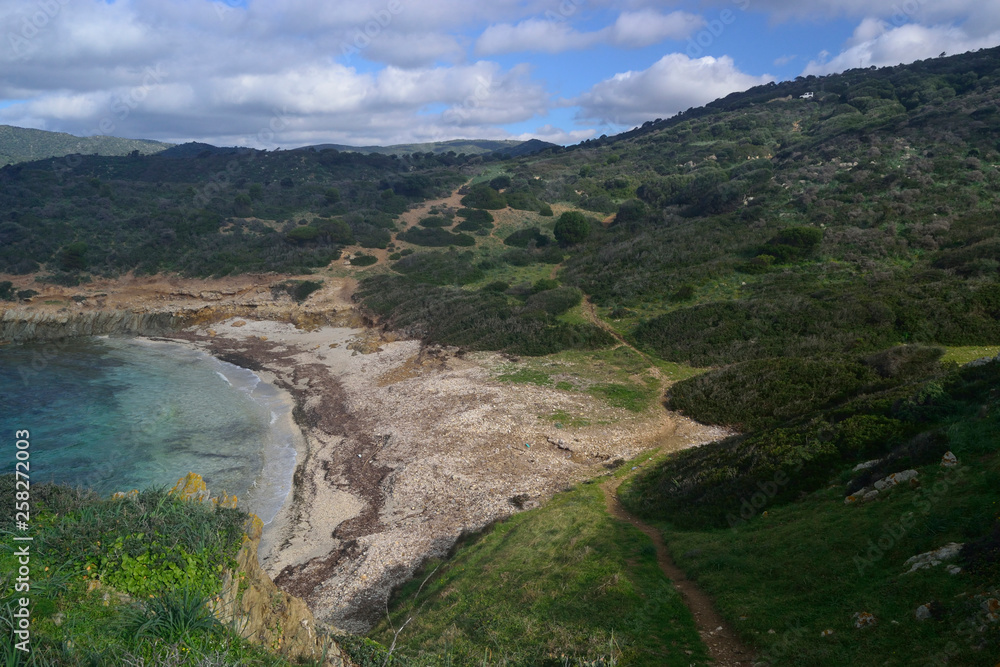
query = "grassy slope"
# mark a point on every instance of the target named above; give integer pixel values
(809, 566)
(564, 583)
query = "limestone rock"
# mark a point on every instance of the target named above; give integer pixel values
(923, 612)
(864, 466)
(863, 619)
(932, 558)
(862, 496)
(266, 615)
(895, 478)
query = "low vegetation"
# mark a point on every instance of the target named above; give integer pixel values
(790, 564)
(538, 588)
(125, 580)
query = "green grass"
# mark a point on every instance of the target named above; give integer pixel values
(806, 567)
(167, 553)
(561, 418)
(965, 354)
(632, 397)
(619, 376)
(564, 584)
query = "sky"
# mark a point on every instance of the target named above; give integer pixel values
(284, 74)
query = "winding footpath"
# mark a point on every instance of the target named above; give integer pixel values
(724, 647)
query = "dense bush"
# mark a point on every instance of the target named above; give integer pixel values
(522, 238)
(436, 221)
(363, 260)
(835, 322)
(440, 268)
(768, 392)
(475, 215)
(484, 197)
(571, 228)
(150, 213)
(555, 301)
(479, 320)
(904, 425)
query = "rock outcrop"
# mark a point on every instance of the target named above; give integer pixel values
(252, 605)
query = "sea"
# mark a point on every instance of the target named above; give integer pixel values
(115, 414)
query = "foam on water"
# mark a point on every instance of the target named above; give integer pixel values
(116, 414)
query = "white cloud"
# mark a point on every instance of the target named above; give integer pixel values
(673, 84)
(227, 74)
(642, 28)
(630, 30)
(533, 35)
(878, 43)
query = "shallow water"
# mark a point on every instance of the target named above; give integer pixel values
(118, 414)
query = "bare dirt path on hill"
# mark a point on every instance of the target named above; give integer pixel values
(724, 646)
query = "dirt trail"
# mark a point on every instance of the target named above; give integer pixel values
(724, 647)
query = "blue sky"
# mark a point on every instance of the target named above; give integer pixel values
(297, 72)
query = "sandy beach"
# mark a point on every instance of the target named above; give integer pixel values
(405, 447)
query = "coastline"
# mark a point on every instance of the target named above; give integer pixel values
(405, 447)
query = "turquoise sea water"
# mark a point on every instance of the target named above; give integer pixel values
(118, 414)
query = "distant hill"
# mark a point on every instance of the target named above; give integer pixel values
(458, 146)
(20, 144)
(196, 149)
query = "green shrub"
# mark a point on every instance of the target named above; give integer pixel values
(480, 320)
(555, 301)
(484, 197)
(475, 215)
(73, 257)
(436, 221)
(440, 268)
(571, 228)
(302, 234)
(525, 237)
(543, 284)
(363, 260)
(299, 289)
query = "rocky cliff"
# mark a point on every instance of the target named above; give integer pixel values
(251, 604)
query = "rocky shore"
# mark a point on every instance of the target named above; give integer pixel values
(406, 447)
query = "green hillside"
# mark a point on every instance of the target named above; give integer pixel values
(511, 147)
(804, 262)
(19, 144)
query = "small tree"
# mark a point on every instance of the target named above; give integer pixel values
(73, 257)
(572, 227)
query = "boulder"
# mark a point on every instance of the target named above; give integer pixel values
(930, 559)
(863, 619)
(895, 478)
